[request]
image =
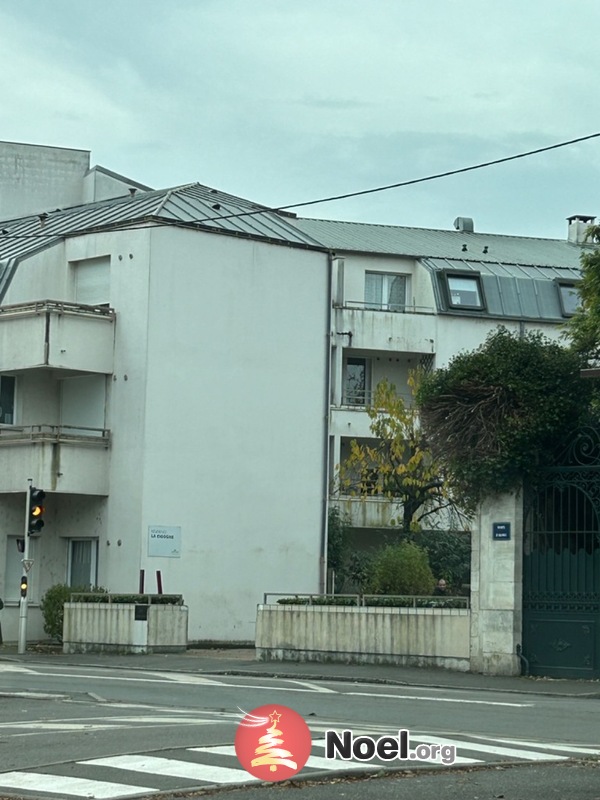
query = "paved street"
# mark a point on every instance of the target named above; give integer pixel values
(114, 727)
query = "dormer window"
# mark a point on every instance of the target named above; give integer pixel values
(464, 291)
(569, 298)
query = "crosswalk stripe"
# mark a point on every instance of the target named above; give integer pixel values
(173, 768)
(476, 747)
(317, 762)
(568, 748)
(65, 784)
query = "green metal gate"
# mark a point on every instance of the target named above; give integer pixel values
(561, 564)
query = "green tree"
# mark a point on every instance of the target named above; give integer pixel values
(399, 464)
(496, 415)
(401, 569)
(583, 328)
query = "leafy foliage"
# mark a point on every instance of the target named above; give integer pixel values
(449, 554)
(495, 416)
(583, 328)
(401, 569)
(399, 464)
(52, 606)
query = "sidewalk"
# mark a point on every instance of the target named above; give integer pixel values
(242, 662)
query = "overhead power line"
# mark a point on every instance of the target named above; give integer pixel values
(331, 198)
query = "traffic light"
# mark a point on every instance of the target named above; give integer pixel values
(36, 510)
(24, 586)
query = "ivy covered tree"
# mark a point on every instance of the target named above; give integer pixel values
(494, 416)
(583, 328)
(398, 465)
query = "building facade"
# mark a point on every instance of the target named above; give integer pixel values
(182, 370)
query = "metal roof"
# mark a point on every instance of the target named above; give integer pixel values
(423, 242)
(192, 204)
(519, 291)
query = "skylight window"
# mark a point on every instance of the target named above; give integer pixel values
(569, 298)
(464, 291)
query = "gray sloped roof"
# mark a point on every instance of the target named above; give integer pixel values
(519, 291)
(192, 204)
(423, 242)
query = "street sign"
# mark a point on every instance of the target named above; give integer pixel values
(501, 531)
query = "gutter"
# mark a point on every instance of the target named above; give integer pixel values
(325, 502)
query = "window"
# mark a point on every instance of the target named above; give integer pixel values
(82, 567)
(92, 281)
(385, 292)
(7, 400)
(464, 291)
(357, 382)
(569, 298)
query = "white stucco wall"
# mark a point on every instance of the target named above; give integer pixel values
(235, 423)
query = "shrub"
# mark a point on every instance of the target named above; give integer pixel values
(52, 606)
(401, 569)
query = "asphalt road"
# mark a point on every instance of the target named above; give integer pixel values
(79, 731)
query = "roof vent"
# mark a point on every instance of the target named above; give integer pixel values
(464, 224)
(578, 227)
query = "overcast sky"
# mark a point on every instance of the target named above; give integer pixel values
(283, 102)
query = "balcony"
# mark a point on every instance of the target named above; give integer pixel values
(67, 337)
(370, 512)
(58, 457)
(411, 330)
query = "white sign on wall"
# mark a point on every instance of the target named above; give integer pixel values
(164, 541)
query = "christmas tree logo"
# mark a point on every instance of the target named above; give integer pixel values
(273, 743)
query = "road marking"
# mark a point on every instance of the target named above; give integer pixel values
(318, 762)
(313, 687)
(173, 768)
(568, 748)
(526, 755)
(438, 699)
(65, 784)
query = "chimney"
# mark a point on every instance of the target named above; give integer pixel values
(578, 226)
(464, 224)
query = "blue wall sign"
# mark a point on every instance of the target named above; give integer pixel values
(501, 531)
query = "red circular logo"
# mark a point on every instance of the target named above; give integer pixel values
(273, 743)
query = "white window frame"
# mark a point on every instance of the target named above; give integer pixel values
(383, 301)
(93, 561)
(361, 397)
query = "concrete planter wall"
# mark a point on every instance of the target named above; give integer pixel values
(406, 636)
(124, 628)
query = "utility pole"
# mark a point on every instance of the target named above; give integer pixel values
(22, 645)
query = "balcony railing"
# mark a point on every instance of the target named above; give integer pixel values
(364, 397)
(394, 308)
(14, 434)
(67, 337)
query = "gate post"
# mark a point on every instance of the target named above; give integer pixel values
(496, 585)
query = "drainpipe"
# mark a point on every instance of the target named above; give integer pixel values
(325, 507)
(524, 661)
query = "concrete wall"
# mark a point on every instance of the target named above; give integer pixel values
(496, 587)
(112, 627)
(409, 636)
(36, 178)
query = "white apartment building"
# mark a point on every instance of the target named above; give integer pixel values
(409, 297)
(187, 367)
(163, 375)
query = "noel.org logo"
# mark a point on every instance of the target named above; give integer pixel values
(273, 743)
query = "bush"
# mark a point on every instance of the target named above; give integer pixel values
(52, 605)
(401, 569)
